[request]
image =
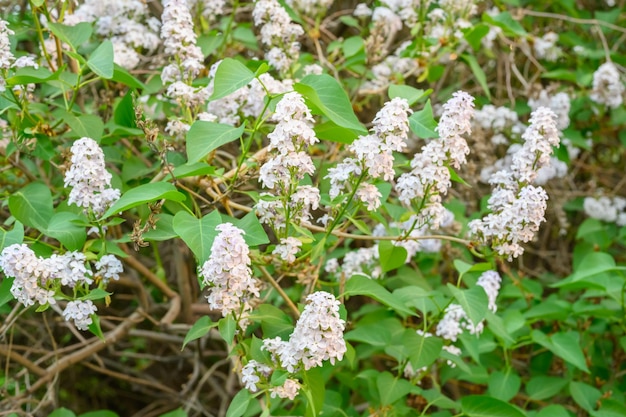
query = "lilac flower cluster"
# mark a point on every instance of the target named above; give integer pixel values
(227, 273)
(608, 87)
(517, 206)
(288, 164)
(277, 33)
(430, 175)
(90, 181)
(37, 279)
(6, 56)
(373, 155)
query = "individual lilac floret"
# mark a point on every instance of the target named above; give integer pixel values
(228, 273)
(318, 336)
(88, 178)
(608, 88)
(80, 312)
(20, 262)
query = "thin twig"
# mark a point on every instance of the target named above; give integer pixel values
(280, 291)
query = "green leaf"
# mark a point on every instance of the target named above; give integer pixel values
(544, 387)
(378, 333)
(504, 385)
(204, 137)
(227, 328)
(327, 95)
(564, 345)
(62, 412)
(593, 264)
(255, 233)
(423, 351)
(124, 112)
(27, 75)
(411, 94)
(498, 328)
(96, 294)
(331, 132)
(274, 322)
(199, 329)
(484, 406)
(143, 194)
(391, 256)
(474, 301)
(122, 76)
(553, 410)
(422, 122)
(510, 26)
(478, 72)
(5, 290)
(198, 234)
(32, 205)
(360, 285)
(63, 227)
(585, 395)
(190, 170)
(317, 386)
(74, 35)
(95, 328)
(475, 34)
(15, 235)
(84, 125)
(230, 76)
(101, 60)
(391, 389)
(239, 404)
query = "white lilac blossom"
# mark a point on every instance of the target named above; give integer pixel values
(20, 262)
(252, 373)
(126, 23)
(373, 154)
(109, 267)
(80, 312)
(318, 336)
(6, 56)
(455, 320)
(503, 122)
(517, 206)
(608, 88)
(559, 103)
(227, 273)
(288, 249)
(69, 268)
(430, 175)
(278, 33)
(611, 210)
(179, 39)
(210, 9)
(545, 47)
(362, 11)
(88, 178)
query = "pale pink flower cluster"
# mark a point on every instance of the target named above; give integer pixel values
(88, 178)
(430, 175)
(80, 311)
(517, 206)
(288, 249)
(277, 33)
(373, 154)
(179, 40)
(255, 372)
(227, 273)
(455, 319)
(318, 336)
(288, 164)
(608, 87)
(36, 278)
